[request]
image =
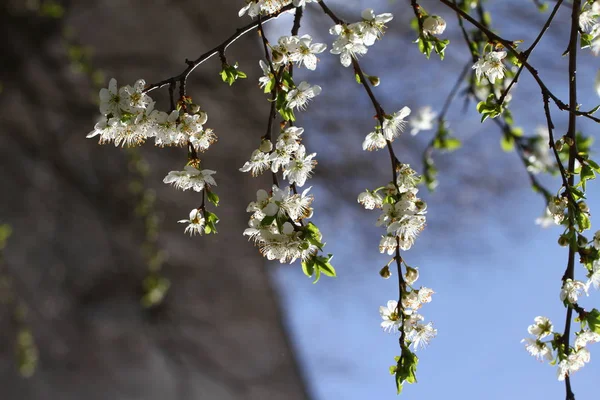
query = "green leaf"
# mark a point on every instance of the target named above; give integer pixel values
(587, 172)
(594, 165)
(308, 267)
(212, 197)
(593, 320)
(211, 222)
(507, 143)
(583, 221)
(230, 73)
(406, 369)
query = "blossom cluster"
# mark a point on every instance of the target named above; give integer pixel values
(265, 7)
(276, 225)
(590, 25)
(403, 213)
(296, 49)
(577, 357)
(354, 39)
(129, 118)
(289, 156)
(405, 317)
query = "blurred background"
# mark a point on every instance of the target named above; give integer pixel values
(104, 297)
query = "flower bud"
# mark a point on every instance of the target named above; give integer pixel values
(559, 144)
(563, 241)
(411, 276)
(194, 108)
(374, 80)
(265, 146)
(434, 25)
(385, 272)
(582, 205)
(203, 117)
(581, 241)
(568, 140)
(277, 57)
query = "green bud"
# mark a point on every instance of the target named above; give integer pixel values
(385, 272)
(582, 205)
(277, 57)
(194, 108)
(563, 241)
(559, 144)
(568, 140)
(374, 80)
(581, 240)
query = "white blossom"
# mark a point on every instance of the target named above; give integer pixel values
(541, 328)
(540, 350)
(374, 141)
(571, 290)
(299, 96)
(191, 178)
(434, 25)
(370, 200)
(422, 120)
(300, 167)
(195, 223)
(391, 318)
(394, 124)
(491, 65)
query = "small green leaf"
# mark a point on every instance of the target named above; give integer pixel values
(212, 197)
(507, 143)
(593, 320)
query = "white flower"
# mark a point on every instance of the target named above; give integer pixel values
(394, 125)
(300, 167)
(109, 99)
(424, 295)
(191, 178)
(573, 363)
(571, 291)
(372, 26)
(588, 19)
(258, 163)
(196, 223)
(374, 141)
(370, 200)
(289, 139)
(388, 244)
(585, 337)
(268, 76)
(202, 140)
(596, 241)
(541, 328)
(298, 97)
(490, 65)
(538, 349)
(421, 335)
(422, 120)
(391, 319)
(305, 53)
(349, 43)
(434, 25)
(556, 207)
(595, 274)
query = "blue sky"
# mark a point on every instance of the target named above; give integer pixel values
(492, 268)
